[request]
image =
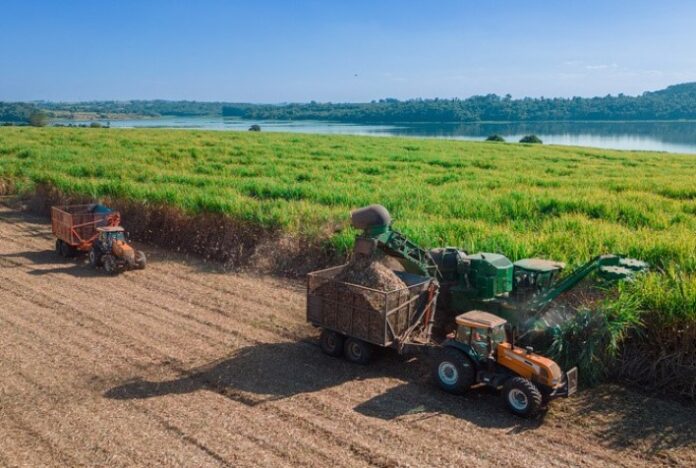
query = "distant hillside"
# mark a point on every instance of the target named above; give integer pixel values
(673, 103)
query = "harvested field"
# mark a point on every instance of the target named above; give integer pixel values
(184, 364)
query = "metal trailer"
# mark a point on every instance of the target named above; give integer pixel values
(75, 226)
(355, 318)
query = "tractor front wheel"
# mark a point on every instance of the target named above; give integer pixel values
(109, 264)
(95, 258)
(454, 372)
(331, 342)
(522, 397)
(140, 260)
(357, 351)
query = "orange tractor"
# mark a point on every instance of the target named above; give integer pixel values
(95, 229)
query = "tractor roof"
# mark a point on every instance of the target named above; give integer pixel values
(111, 229)
(539, 264)
(479, 319)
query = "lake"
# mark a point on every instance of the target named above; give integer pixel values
(674, 137)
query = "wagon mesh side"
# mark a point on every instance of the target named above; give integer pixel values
(377, 317)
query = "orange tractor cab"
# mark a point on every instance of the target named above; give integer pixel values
(478, 352)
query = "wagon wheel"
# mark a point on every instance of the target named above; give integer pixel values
(66, 250)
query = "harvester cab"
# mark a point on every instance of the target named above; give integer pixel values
(479, 353)
(112, 251)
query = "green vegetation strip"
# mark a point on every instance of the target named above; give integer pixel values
(522, 200)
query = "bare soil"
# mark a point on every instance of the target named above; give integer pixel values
(186, 364)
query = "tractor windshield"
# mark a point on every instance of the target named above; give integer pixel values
(114, 236)
(479, 341)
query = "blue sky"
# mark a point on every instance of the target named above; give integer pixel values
(281, 51)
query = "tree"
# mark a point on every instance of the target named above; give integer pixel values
(255, 128)
(495, 138)
(38, 119)
(531, 139)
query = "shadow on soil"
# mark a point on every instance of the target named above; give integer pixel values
(76, 266)
(268, 372)
(19, 216)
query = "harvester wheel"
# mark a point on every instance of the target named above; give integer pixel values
(140, 260)
(357, 351)
(109, 264)
(95, 258)
(454, 372)
(522, 397)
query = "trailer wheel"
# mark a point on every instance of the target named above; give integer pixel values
(357, 351)
(331, 342)
(66, 250)
(59, 247)
(454, 372)
(522, 397)
(95, 258)
(109, 264)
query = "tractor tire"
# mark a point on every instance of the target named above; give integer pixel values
(140, 260)
(331, 342)
(357, 351)
(522, 397)
(109, 264)
(454, 371)
(95, 258)
(59, 247)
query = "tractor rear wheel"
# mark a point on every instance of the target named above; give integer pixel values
(357, 351)
(109, 264)
(522, 397)
(454, 372)
(331, 342)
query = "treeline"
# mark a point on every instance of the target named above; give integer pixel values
(154, 108)
(16, 112)
(672, 103)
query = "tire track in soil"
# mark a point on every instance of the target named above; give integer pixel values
(76, 357)
(171, 425)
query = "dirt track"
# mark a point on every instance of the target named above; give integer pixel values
(184, 364)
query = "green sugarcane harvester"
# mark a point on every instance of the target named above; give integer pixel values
(483, 281)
